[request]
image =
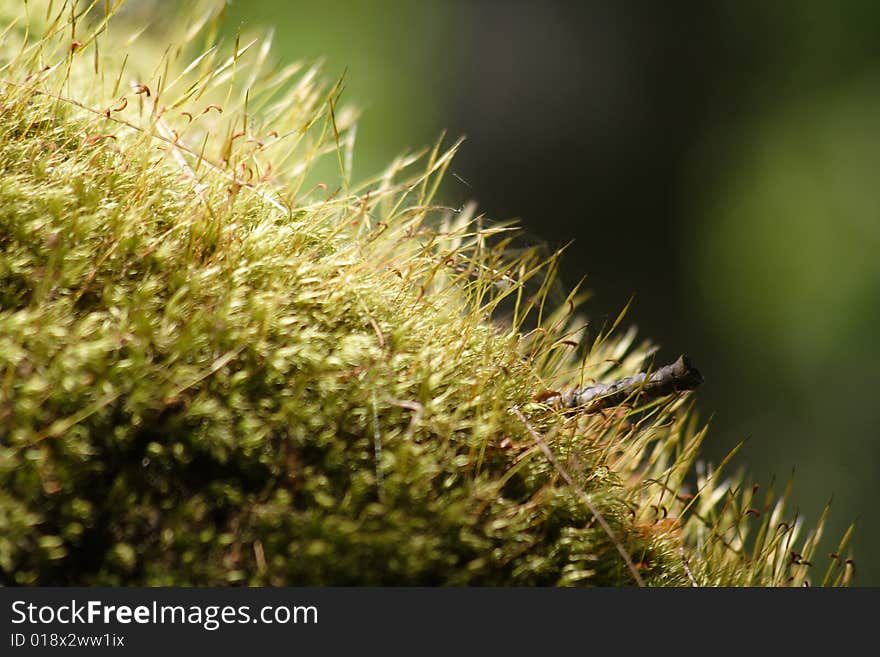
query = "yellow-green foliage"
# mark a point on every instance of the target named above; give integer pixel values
(221, 364)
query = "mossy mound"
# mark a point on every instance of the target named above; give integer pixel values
(216, 368)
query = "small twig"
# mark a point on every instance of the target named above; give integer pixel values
(583, 497)
(670, 379)
(687, 568)
(377, 451)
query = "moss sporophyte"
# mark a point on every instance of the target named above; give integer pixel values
(223, 361)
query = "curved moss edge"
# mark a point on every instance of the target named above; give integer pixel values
(223, 363)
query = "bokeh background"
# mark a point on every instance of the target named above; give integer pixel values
(720, 161)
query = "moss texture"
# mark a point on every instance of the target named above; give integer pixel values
(223, 362)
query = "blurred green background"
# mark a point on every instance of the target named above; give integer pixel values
(718, 160)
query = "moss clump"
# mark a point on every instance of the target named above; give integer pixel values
(221, 364)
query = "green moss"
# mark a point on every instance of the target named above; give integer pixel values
(217, 368)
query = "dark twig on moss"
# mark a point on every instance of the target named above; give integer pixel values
(687, 568)
(582, 495)
(670, 379)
